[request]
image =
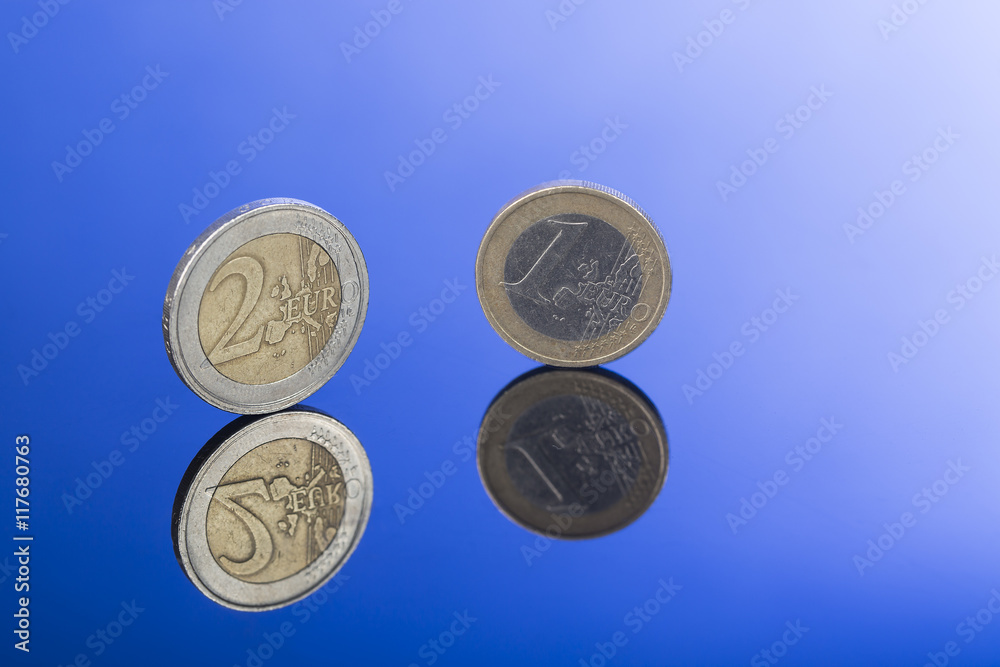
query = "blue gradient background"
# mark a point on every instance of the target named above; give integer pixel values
(827, 357)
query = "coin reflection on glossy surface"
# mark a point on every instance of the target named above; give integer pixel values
(271, 508)
(572, 453)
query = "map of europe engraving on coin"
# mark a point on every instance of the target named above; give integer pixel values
(573, 274)
(265, 306)
(271, 508)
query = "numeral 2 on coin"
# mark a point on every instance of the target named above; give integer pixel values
(253, 273)
(262, 543)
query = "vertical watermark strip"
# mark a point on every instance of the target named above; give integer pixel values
(22, 542)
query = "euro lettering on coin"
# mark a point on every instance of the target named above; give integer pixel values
(572, 454)
(573, 274)
(271, 508)
(265, 306)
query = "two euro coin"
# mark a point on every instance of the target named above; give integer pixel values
(265, 306)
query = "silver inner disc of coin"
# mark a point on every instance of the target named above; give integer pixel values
(582, 285)
(561, 450)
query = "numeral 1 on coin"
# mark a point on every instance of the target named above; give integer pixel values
(565, 236)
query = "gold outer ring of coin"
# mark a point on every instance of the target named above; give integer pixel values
(226, 450)
(580, 197)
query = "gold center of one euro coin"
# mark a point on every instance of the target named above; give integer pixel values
(276, 510)
(269, 309)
